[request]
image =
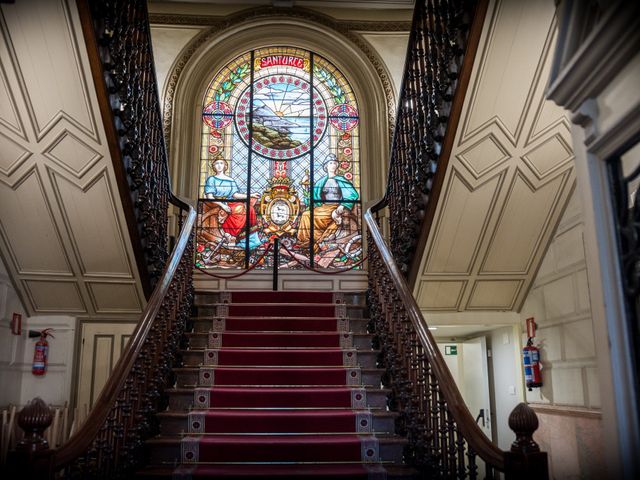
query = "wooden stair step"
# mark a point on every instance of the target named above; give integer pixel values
(279, 356)
(190, 376)
(181, 399)
(277, 448)
(275, 386)
(284, 325)
(264, 420)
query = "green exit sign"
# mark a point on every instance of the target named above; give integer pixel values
(451, 350)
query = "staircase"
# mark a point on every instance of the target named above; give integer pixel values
(277, 385)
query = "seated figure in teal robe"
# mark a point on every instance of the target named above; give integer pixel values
(337, 195)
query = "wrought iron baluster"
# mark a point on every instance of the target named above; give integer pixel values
(473, 467)
(461, 471)
(123, 36)
(434, 55)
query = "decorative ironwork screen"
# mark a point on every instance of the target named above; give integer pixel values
(279, 157)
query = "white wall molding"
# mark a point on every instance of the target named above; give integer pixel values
(62, 224)
(582, 69)
(595, 75)
(624, 131)
(510, 174)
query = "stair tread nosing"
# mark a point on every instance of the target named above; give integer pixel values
(280, 412)
(277, 421)
(244, 296)
(280, 357)
(281, 448)
(279, 324)
(282, 397)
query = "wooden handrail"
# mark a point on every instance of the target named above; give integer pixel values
(163, 317)
(455, 403)
(80, 442)
(119, 49)
(455, 113)
(441, 51)
(444, 438)
(118, 41)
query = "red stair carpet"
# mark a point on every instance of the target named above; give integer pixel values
(278, 385)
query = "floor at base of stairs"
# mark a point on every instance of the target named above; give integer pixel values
(281, 471)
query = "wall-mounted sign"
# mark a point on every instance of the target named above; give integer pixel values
(451, 350)
(282, 61)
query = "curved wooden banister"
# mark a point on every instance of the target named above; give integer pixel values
(106, 443)
(472, 433)
(79, 443)
(118, 40)
(444, 438)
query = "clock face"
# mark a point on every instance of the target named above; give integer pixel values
(279, 212)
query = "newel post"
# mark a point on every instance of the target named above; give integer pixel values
(525, 461)
(30, 458)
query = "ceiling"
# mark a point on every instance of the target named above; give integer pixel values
(460, 332)
(63, 235)
(510, 173)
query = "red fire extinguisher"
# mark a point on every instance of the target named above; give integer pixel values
(41, 353)
(531, 359)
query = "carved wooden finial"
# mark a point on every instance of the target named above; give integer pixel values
(34, 419)
(523, 421)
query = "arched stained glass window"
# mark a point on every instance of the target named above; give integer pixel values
(279, 157)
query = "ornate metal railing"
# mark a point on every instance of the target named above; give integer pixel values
(444, 439)
(108, 443)
(119, 45)
(428, 110)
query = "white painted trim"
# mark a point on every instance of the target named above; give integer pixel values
(583, 69)
(615, 373)
(611, 44)
(292, 280)
(608, 142)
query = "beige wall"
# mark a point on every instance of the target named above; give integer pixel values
(18, 384)
(568, 403)
(506, 381)
(391, 47)
(170, 40)
(595, 76)
(9, 373)
(65, 240)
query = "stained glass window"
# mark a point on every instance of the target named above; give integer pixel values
(279, 158)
